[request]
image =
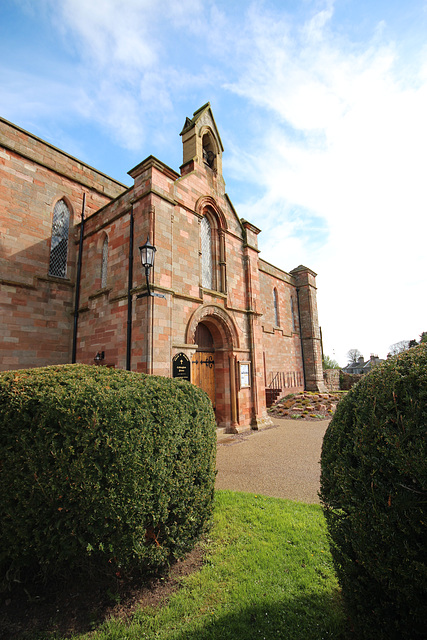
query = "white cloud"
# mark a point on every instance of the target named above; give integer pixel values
(125, 73)
(109, 35)
(348, 143)
(42, 98)
(119, 66)
(312, 30)
(124, 38)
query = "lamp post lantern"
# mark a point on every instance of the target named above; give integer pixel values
(147, 255)
(147, 252)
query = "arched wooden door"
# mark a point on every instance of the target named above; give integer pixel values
(203, 372)
(203, 362)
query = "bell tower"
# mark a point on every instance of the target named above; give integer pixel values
(201, 141)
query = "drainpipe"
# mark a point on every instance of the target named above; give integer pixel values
(130, 284)
(78, 278)
(302, 344)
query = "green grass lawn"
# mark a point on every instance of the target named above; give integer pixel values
(267, 574)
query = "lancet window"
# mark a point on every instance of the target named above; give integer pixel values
(104, 263)
(206, 246)
(294, 323)
(276, 308)
(59, 240)
(212, 248)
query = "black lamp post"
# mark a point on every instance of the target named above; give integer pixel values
(147, 252)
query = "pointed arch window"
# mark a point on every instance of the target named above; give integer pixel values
(59, 240)
(206, 248)
(104, 263)
(276, 308)
(213, 266)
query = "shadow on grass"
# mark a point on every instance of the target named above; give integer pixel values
(308, 617)
(304, 618)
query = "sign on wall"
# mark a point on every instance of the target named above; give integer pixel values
(181, 367)
(244, 374)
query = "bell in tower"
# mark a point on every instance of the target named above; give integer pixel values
(201, 141)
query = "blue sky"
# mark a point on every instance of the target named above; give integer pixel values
(321, 106)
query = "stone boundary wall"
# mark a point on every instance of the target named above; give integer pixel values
(336, 380)
(332, 379)
(347, 380)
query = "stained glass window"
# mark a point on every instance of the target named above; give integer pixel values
(206, 244)
(59, 240)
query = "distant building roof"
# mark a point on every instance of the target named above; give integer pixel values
(360, 366)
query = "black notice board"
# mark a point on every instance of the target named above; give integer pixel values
(181, 367)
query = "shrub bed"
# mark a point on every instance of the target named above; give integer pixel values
(374, 492)
(101, 469)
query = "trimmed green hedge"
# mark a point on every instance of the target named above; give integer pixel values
(374, 491)
(101, 468)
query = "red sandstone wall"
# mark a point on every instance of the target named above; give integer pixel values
(36, 309)
(282, 344)
(37, 315)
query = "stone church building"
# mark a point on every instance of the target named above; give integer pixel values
(72, 287)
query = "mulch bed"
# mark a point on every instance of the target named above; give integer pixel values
(306, 406)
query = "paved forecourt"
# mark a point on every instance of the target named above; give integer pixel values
(282, 461)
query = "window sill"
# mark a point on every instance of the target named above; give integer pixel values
(211, 292)
(100, 292)
(56, 279)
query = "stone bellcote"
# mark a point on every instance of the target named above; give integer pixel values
(201, 141)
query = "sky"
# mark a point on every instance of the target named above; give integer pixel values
(322, 110)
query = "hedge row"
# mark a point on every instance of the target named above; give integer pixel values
(374, 491)
(101, 468)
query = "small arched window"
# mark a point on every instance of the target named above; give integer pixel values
(59, 240)
(206, 248)
(104, 263)
(276, 308)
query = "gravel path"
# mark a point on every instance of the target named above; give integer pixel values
(282, 461)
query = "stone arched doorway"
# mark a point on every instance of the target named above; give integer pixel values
(215, 337)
